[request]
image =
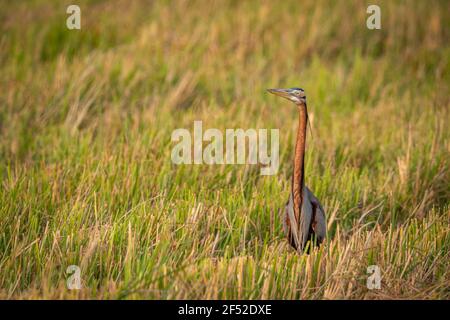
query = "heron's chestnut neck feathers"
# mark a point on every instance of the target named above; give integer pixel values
(299, 160)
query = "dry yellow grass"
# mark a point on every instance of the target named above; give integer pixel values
(85, 124)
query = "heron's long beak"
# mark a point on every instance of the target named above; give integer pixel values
(280, 92)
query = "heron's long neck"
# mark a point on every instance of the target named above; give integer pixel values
(299, 161)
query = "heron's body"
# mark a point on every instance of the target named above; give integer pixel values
(312, 225)
(304, 218)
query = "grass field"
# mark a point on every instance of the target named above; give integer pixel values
(85, 148)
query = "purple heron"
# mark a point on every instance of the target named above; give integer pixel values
(304, 219)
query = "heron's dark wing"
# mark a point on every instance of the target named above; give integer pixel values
(319, 221)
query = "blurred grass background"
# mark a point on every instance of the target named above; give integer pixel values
(86, 119)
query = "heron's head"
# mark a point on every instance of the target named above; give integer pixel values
(296, 95)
